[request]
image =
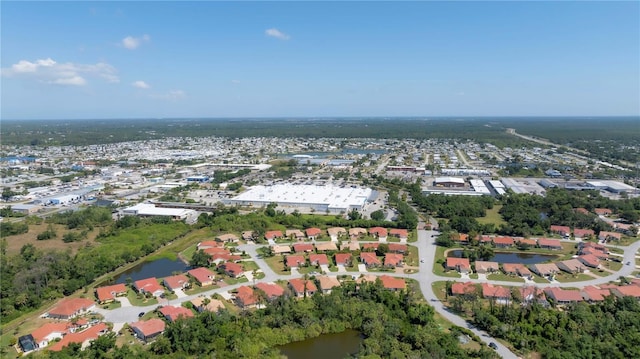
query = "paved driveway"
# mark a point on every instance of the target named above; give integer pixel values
(124, 301)
(362, 268)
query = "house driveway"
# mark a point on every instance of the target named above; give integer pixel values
(324, 268)
(341, 268)
(180, 293)
(294, 271)
(124, 301)
(362, 268)
(482, 276)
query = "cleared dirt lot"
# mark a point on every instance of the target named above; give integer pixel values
(14, 243)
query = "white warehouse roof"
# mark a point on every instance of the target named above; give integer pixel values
(330, 196)
(449, 180)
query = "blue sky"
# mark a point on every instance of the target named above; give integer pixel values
(311, 59)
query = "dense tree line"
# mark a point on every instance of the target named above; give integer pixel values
(610, 329)
(33, 276)
(393, 325)
(86, 219)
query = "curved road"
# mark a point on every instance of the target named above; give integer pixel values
(427, 249)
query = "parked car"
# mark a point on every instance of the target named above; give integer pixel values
(493, 346)
(140, 315)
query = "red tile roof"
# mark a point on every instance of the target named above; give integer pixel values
(393, 259)
(390, 282)
(343, 258)
(318, 259)
(603, 211)
(303, 247)
(80, 337)
(378, 231)
(312, 232)
(225, 257)
(209, 244)
(272, 290)
(560, 229)
(589, 260)
(295, 261)
(627, 291)
(400, 233)
(298, 285)
(398, 247)
(202, 275)
(327, 283)
(273, 234)
(232, 268)
(550, 243)
(110, 292)
(176, 281)
(246, 296)
(369, 258)
(149, 327)
(595, 294)
(370, 245)
(149, 285)
(173, 313)
(563, 295)
(454, 263)
(581, 233)
(41, 333)
(458, 288)
(69, 306)
(503, 241)
(495, 291)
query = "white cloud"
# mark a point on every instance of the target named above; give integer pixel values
(73, 81)
(172, 95)
(51, 72)
(133, 43)
(277, 34)
(140, 84)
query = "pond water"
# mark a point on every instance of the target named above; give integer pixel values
(338, 345)
(503, 257)
(159, 268)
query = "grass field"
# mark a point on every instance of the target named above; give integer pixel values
(566, 277)
(439, 268)
(504, 277)
(14, 243)
(276, 263)
(492, 216)
(614, 266)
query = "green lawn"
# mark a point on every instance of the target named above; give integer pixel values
(439, 289)
(566, 277)
(473, 275)
(411, 258)
(141, 302)
(615, 266)
(188, 253)
(505, 277)
(112, 305)
(439, 268)
(232, 281)
(492, 216)
(249, 265)
(196, 289)
(277, 265)
(538, 279)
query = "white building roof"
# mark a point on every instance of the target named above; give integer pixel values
(449, 180)
(149, 209)
(333, 197)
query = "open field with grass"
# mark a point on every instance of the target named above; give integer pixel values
(492, 216)
(14, 243)
(505, 277)
(276, 263)
(566, 277)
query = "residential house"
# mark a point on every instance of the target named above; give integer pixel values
(403, 234)
(626, 291)
(609, 236)
(503, 242)
(313, 233)
(247, 236)
(547, 270)
(518, 269)
(246, 297)
(172, 313)
(370, 246)
(461, 238)
(484, 239)
(526, 242)
(532, 294)
(303, 247)
(582, 211)
(48, 333)
(572, 266)
(355, 233)
(228, 238)
(484, 267)
(327, 283)
(350, 246)
(326, 246)
(83, 338)
(149, 285)
(370, 259)
(336, 232)
(318, 259)
(71, 307)
(271, 290)
(148, 329)
(295, 261)
(343, 259)
(461, 265)
(501, 295)
(301, 286)
(233, 270)
(579, 233)
(589, 260)
(594, 294)
(398, 248)
(564, 231)
(203, 276)
(109, 293)
(603, 212)
(213, 305)
(563, 296)
(278, 249)
(208, 244)
(459, 288)
(393, 260)
(295, 234)
(179, 281)
(225, 256)
(378, 232)
(549, 243)
(273, 235)
(393, 283)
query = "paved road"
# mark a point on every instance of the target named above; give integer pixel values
(425, 277)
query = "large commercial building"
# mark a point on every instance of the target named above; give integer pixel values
(150, 210)
(318, 198)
